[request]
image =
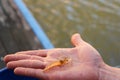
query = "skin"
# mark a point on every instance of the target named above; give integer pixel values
(85, 63)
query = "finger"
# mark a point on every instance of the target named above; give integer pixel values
(26, 63)
(76, 39)
(37, 73)
(15, 57)
(42, 53)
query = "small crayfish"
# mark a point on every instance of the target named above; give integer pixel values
(57, 63)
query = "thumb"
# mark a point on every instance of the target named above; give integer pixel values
(76, 39)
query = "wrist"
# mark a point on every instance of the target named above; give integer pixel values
(109, 73)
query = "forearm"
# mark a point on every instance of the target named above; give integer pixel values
(109, 73)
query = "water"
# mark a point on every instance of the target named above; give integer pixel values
(98, 22)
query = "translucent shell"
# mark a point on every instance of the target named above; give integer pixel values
(57, 63)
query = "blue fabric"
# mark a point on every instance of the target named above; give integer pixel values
(7, 74)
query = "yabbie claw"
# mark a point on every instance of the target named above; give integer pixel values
(57, 63)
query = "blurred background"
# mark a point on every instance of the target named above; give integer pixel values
(98, 22)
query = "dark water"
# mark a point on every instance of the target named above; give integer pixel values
(98, 22)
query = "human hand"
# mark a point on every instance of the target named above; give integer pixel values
(83, 62)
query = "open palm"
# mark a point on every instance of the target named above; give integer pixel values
(84, 62)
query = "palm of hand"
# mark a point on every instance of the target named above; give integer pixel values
(83, 65)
